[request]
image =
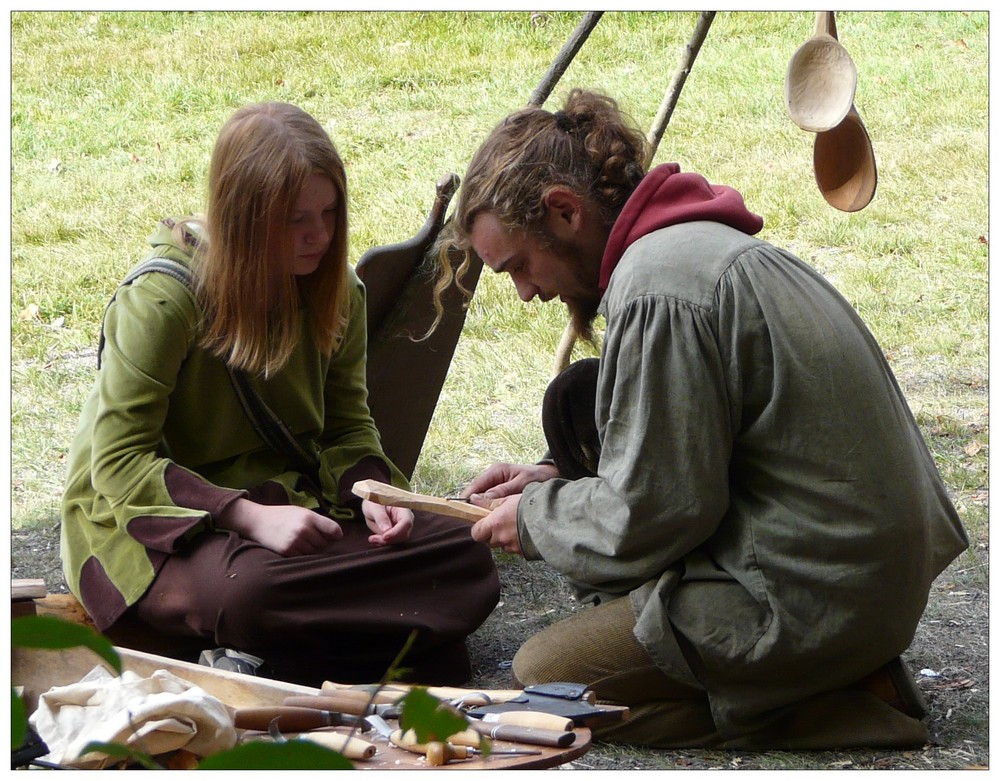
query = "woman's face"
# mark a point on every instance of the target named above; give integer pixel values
(312, 223)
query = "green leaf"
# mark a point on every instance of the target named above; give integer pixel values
(18, 720)
(261, 755)
(117, 750)
(429, 717)
(53, 633)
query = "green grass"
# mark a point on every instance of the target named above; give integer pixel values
(113, 116)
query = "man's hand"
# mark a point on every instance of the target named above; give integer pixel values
(502, 480)
(389, 524)
(499, 528)
(286, 529)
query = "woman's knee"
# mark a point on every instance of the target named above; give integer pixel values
(246, 605)
(224, 592)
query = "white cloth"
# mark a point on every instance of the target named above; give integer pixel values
(154, 715)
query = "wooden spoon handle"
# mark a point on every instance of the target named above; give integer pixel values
(826, 24)
(382, 493)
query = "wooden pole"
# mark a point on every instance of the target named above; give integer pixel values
(565, 57)
(673, 93)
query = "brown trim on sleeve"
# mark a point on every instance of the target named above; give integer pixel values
(187, 489)
(271, 493)
(368, 468)
(98, 594)
(161, 533)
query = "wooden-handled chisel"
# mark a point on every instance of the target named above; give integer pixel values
(382, 493)
(530, 735)
(336, 702)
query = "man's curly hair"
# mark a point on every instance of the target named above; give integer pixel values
(590, 146)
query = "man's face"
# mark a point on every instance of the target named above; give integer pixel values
(543, 267)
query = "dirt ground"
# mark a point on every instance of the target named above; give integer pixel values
(949, 658)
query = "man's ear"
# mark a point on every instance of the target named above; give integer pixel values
(565, 208)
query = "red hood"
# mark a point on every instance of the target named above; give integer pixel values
(665, 197)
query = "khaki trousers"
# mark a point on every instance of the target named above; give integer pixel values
(596, 647)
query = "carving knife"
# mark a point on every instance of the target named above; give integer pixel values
(291, 719)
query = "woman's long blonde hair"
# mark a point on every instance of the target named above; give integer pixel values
(254, 307)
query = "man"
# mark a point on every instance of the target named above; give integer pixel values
(754, 511)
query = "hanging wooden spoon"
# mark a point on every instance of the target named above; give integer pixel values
(844, 164)
(821, 79)
(844, 161)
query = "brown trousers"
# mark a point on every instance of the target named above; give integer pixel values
(341, 615)
(597, 647)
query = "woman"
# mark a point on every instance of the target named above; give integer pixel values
(178, 515)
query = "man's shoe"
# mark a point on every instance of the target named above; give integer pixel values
(233, 661)
(894, 684)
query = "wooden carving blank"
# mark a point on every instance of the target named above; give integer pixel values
(382, 493)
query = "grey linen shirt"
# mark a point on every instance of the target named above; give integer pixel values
(764, 494)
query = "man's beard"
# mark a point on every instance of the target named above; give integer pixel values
(582, 311)
(581, 317)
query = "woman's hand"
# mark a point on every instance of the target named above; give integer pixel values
(502, 480)
(499, 528)
(390, 524)
(286, 529)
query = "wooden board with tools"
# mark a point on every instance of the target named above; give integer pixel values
(303, 711)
